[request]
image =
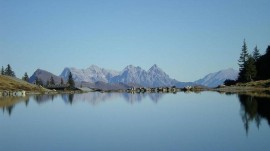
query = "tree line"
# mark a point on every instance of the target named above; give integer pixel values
(252, 66)
(70, 81)
(9, 72)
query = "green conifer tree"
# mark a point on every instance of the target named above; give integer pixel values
(71, 82)
(52, 81)
(242, 61)
(243, 56)
(47, 83)
(25, 77)
(9, 72)
(36, 81)
(39, 81)
(263, 66)
(250, 71)
(256, 54)
(2, 71)
(62, 81)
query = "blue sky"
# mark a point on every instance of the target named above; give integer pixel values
(187, 39)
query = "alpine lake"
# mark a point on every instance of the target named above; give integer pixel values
(135, 122)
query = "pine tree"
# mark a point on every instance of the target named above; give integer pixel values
(243, 56)
(263, 66)
(242, 61)
(256, 54)
(70, 81)
(62, 81)
(25, 77)
(47, 83)
(36, 81)
(9, 72)
(39, 81)
(2, 71)
(250, 71)
(52, 81)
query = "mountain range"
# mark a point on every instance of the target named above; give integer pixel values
(130, 76)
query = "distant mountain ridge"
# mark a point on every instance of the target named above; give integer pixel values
(92, 74)
(217, 78)
(130, 76)
(154, 77)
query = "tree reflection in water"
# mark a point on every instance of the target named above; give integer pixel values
(44, 98)
(254, 109)
(8, 103)
(70, 98)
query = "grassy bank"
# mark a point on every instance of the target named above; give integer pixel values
(14, 84)
(262, 85)
(255, 88)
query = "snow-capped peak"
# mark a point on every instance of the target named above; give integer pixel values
(94, 67)
(91, 74)
(130, 74)
(155, 69)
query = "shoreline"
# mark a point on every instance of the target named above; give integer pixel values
(225, 89)
(7, 100)
(237, 89)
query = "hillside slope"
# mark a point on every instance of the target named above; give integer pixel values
(44, 76)
(215, 79)
(14, 84)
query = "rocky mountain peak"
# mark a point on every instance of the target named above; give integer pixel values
(94, 67)
(155, 69)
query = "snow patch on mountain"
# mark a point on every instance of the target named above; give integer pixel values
(154, 77)
(91, 74)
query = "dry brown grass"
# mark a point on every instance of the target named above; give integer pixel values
(13, 84)
(255, 88)
(257, 84)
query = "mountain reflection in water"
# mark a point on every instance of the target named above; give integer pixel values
(8, 103)
(96, 98)
(254, 109)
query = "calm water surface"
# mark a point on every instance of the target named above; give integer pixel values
(135, 122)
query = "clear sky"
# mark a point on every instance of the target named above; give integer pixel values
(186, 38)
